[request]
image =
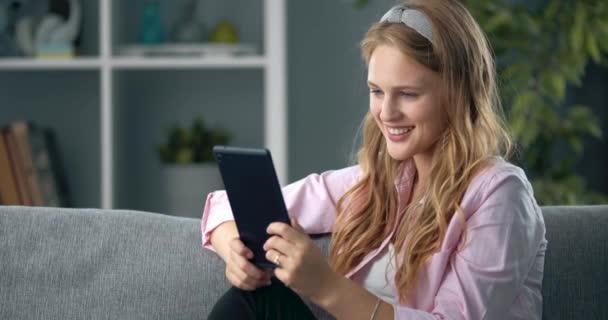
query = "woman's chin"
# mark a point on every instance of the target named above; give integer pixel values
(399, 154)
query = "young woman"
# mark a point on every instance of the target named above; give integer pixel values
(433, 222)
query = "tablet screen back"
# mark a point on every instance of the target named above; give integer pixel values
(254, 194)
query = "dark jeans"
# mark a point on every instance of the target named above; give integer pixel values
(272, 302)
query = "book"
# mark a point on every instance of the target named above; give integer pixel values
(17, 166)
(58, 168)
(21, 131)
(49, 168)
(9, 194)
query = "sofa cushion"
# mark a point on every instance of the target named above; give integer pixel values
(101, 264)
(575, 282)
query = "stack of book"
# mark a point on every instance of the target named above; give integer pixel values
(30, 168)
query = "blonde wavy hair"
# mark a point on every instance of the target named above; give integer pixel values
(475, 133)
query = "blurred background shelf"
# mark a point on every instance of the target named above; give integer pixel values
(188, 63)
(132, 63)
(49, 64)
(144, 110)
(111, 104)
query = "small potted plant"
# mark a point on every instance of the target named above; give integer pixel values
(189, 169)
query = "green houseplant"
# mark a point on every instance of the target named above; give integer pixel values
(189, 171)
(541, 48)
(193, 145)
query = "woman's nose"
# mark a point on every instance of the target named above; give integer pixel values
(389, 110)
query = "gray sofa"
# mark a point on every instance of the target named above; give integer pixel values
(112, 264)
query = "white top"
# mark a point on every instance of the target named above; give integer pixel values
(378, 277)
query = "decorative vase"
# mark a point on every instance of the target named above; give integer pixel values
(187, 29)
(152, 30)
(187, 186)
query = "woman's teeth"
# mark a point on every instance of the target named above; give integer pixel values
(398, 131)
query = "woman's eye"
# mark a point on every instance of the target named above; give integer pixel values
(374, 91)
(409, 94)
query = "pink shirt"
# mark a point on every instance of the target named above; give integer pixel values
(497, 275)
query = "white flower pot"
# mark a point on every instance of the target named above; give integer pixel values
(187, 186)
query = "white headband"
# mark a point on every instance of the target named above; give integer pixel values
(412, 18)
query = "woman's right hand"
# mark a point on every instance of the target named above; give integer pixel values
(239, 270)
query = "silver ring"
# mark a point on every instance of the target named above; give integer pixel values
(276, 260)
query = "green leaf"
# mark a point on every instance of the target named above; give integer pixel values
(517, 125)
(570, 71)
(360, 3)
(523, 102)
(592, 48)
(577, 144)
(576, 32)
(602, 27)
(551, 9)
(529, 134)
(192, 145)
(583, 121)
(184, 155)
(595, 130)
(602, 36)
(532, 25)
(555, 85)
(523, 117)
(498, 20)
(549, 117)
(516, 75)
(580, 115)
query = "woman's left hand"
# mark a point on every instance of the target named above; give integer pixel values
(301, 264)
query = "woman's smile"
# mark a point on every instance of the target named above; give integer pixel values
(398, 134)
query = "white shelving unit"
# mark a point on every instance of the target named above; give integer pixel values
(188, 63)
(30, 64)
(272, 63)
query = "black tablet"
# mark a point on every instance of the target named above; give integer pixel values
(254, 194)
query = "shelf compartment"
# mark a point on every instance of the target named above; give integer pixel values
(246, 16)
(68, 103)
(148, 102)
